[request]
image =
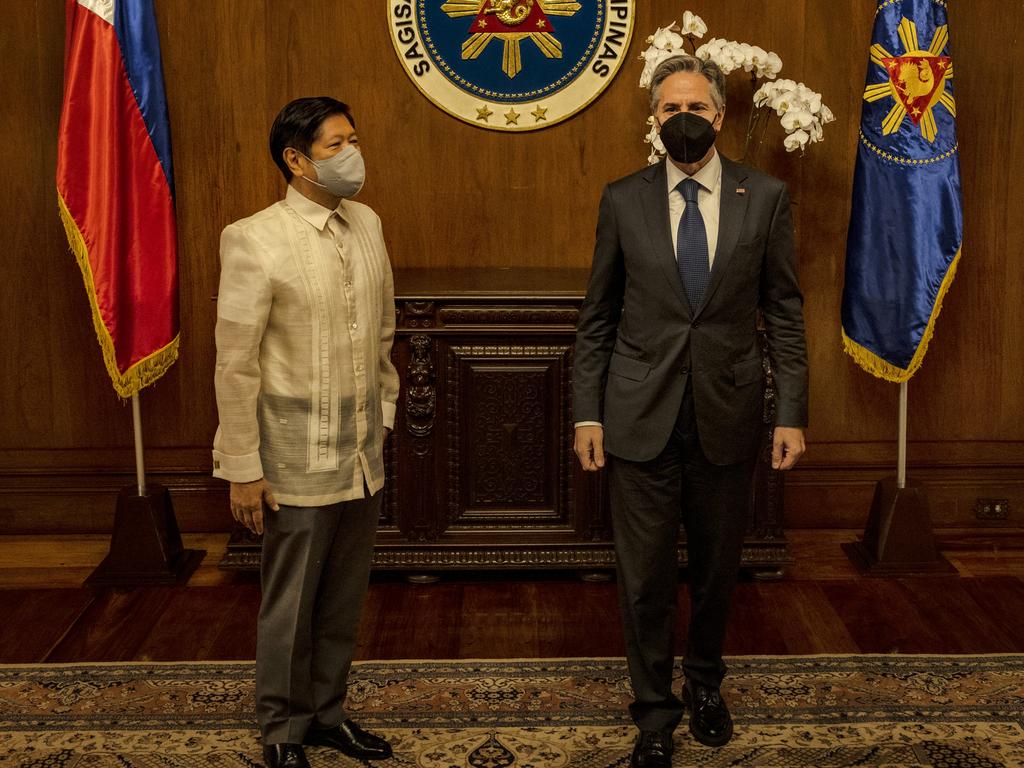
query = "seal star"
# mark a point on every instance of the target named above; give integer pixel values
(483, 113)
(512, 117)
(540, 113)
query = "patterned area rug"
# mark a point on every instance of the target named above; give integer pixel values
(875, 711)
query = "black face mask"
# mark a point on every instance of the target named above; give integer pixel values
(687, 137)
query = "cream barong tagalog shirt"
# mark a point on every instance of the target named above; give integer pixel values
(304, 379)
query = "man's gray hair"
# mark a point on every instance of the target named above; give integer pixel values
(686, 63)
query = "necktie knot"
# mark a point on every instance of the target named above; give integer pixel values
(688, 188)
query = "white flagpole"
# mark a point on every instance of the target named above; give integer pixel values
(901, 446)
(140, 467)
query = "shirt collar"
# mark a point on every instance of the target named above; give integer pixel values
(312, 212)
(709, 177)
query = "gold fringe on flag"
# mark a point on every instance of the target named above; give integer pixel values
(875, 365)
(142, 373)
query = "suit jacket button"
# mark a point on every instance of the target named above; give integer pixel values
(686, 371)
(695, 324)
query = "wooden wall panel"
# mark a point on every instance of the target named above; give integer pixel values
(452, 195)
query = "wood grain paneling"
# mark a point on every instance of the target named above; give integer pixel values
(451, 195)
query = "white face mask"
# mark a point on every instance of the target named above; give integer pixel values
(342, 175)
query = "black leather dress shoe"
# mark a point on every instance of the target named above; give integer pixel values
(710, 721)
(284, 756)
(350, 739)
(653, 749)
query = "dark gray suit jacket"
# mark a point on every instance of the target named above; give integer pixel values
(638, 340)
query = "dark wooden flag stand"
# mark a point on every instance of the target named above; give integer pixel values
(898, 539)
(145, 544)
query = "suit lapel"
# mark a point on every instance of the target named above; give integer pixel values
(654, 201)
(733, 208)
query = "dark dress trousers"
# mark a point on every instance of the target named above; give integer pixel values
(679, 392)
(314, 573)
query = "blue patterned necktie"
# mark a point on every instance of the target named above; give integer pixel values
(692, 246)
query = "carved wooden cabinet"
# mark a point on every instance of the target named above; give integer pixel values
(481, 471)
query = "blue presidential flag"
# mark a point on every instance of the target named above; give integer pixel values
(906, 225)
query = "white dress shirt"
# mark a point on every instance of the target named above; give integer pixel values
(304, 379)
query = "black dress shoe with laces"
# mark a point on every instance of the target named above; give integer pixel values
(710, 721)
(350, 739)
(284, 756)
(653, 749)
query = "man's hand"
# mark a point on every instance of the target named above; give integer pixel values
(247, 503)
(589, 446)
(787, 447)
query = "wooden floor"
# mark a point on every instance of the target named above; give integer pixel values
(821, 606)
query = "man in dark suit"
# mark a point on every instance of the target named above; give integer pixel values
(668, 389)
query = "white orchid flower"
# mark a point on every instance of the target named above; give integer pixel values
(650, 53)
(656, 57)
(710, 49)
(725, 64)
(804, 96)
(744, 54)
(762, 95)
(658, 33)
(768, 65)
(797, 118)
(728, 57)
(758, 56)
(816, 132)
(796, 140)
(825, 115)
(652, 135)
(783, 102)
(693, 24)
(667, 38)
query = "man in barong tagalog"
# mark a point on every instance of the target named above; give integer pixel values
(306, 393)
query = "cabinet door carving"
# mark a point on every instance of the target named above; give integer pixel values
(506, 435)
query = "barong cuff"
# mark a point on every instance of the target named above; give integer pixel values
(237, 469)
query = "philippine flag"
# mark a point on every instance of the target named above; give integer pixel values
(115, 185)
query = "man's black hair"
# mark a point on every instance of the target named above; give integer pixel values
(298, 125)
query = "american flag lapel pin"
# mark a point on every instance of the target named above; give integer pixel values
(741, 190)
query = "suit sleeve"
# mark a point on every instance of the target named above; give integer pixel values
(782, 307)
(243, 306)
(598, 323)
